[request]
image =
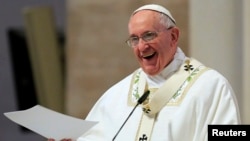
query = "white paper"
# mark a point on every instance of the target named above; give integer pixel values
(49, 123)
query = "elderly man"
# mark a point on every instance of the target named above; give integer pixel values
(185, 96)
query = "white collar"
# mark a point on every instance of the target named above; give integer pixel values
(159, 79)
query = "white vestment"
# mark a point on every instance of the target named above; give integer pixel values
(210, 100)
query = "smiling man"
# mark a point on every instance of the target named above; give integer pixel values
(158, 43)
(185, 95)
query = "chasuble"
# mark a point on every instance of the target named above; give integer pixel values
(209, 99)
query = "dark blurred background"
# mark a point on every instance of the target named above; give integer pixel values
(17, 90)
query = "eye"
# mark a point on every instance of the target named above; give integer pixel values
(149, 36)
(134, 39)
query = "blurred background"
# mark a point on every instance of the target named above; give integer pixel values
(65, 54)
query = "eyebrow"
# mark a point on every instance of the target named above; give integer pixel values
(133, 35)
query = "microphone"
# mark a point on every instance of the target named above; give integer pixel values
(139, 101)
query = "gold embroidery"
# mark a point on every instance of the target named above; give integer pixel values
(188, 67)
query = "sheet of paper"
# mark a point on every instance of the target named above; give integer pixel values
(49, 123)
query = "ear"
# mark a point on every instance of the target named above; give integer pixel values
(175, 34)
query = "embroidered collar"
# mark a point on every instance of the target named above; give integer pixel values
(158, 80)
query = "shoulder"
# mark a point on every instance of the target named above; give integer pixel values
(115, 95)
(118, 89)
(212, 76)
(212, 85)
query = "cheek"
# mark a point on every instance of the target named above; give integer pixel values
(136, 52)
(164, 48)
(164, 53)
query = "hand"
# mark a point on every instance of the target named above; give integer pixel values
(50, 139)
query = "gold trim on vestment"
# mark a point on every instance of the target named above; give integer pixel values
(193, 70)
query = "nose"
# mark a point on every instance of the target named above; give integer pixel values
(142, 45)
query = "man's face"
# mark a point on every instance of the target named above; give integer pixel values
(154, 55)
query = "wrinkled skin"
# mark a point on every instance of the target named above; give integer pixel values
(155, 55)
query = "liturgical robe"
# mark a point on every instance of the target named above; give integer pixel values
(210, 100)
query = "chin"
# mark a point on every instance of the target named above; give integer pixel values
(151, 70)
(152, 73)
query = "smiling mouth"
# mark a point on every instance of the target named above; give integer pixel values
(148, 56)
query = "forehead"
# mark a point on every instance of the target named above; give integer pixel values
(144, 20)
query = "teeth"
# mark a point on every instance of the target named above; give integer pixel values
(147, 55)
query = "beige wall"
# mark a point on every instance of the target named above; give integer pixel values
(219, 37)
(97, 56)
(246, 65)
